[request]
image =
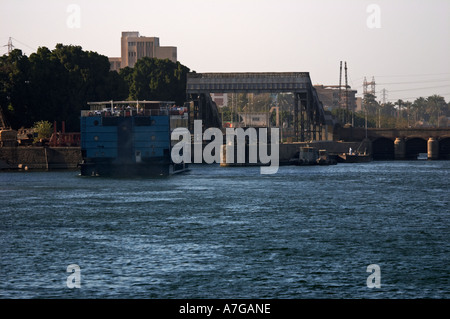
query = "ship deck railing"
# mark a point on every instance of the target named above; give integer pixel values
(125, 112)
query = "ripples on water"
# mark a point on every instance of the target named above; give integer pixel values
(306, 232)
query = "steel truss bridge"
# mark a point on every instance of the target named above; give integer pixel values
(309, 117)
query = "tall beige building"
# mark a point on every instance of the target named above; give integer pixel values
(134, 47)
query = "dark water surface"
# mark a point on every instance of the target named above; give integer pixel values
(306, 232)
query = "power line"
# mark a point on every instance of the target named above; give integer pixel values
(11, 46)
(408, 75)
(410, 97)
(415, 97)
(422, 88)
(414, 82)
(414, 89)
(24, 44)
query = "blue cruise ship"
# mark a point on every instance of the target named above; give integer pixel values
(130, 138)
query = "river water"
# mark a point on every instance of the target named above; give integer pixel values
(215, 232)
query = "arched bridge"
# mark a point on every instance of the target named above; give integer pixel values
(401, 143)
(308, 114)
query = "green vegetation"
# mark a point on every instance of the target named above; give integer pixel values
(54, 85)
(44, 130)
(155, 79)
(431, 111)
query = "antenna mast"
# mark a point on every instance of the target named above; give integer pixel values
(346, 93)
(340, 83)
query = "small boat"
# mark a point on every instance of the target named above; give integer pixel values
(311, 156)
(325, 158)
(354, 158)
(306, 156)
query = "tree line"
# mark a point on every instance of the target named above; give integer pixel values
(55, 85)
(423, 111)
(429, 111)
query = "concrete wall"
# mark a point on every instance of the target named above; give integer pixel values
(287, 151)
(359, 133)
(401, 143)
(39, 157)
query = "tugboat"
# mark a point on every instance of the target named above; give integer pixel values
(325, 158)
(307, 155)
(311, 156)
(130, 138)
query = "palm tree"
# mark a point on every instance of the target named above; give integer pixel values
(399, 103)
(370, 104)
(408, 111)
(435, 105)
(388, 109)
(420, 106)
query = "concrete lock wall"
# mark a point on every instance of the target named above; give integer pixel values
(287, 151)
(39, 157)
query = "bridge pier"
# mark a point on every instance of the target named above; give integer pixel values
(400, 144)
(433, 149)
(399, 149)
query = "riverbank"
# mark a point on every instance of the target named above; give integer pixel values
(39, 158)
(43, 158)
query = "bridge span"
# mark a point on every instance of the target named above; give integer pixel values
(400, 143)
(309, 115)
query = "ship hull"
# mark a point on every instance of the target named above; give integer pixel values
(155, 169)
(354, 158)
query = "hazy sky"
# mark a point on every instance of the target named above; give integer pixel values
(404, 44)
